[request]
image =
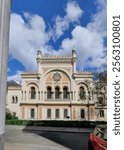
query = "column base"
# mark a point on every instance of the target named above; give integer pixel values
(2, 139)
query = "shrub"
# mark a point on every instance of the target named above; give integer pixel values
(8, 116)
(54, 123)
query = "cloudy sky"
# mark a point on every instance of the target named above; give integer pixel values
(56, 27)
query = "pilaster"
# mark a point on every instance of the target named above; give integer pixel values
(4, 44)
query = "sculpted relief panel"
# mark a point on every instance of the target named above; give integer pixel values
(55, 78)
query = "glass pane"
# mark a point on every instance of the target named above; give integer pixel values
(65, 92)
(49, 93)
(48, 113)
(82, 93)
(82, 113)
(57, 92)
(57, 113)
(32, 113)
(33, 93)
(65, 113)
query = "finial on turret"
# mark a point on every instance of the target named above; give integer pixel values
(39, 55)
(39, 52)
(74, 52)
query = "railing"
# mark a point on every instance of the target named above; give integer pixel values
(55, 99)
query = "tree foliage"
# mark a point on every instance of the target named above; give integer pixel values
(101, 85)
(101, 77)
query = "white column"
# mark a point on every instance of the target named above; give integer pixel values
(4, 43)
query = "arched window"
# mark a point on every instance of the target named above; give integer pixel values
(33, 93)
(82, 114)
(13, 99)
(101, 100)
(32, 113)
(49, 113)
(57, 113)
(65, 92)
(49, 92)
(101, 113)
(16, 99)
(82, 93)
(57, 92)
(65, 113)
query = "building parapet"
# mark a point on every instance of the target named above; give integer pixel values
(28, 73)
(57, 100)
(83, 74)
(14, 87)
(55, 56)
(56, 59)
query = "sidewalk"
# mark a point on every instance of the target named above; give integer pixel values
(50, 129)
(18, 146)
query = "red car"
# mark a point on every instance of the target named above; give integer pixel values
(98, 139)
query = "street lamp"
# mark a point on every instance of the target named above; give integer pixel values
(88, 105)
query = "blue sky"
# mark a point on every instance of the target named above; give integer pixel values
(56, 27)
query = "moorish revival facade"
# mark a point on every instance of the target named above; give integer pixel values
(56, 92)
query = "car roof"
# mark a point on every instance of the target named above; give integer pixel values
(102, 126)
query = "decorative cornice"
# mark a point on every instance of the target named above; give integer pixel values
(14, 87)
(56, 56)
(55, 59)
(84, 72)
(29, 73)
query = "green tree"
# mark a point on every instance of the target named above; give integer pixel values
(101, 84)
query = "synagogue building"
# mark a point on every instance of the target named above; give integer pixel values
(57, 91)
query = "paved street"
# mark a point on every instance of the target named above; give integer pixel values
(17, 139)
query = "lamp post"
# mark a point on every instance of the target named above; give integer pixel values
(4, 44)
(88, 106)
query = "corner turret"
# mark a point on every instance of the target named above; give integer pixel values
(39, 58)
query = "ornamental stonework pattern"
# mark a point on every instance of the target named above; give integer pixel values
(57, 77)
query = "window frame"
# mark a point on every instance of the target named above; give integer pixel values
(33, 95)
(57, 113)
(49, 115)
(57, 93)
(101, 113)
(82, 93)
(82, 115)
(49, 93)
(65, 114)
(32, 111)
(65, 92)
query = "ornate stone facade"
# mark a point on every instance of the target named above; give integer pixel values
(56, 92)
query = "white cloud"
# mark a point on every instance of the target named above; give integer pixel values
(73, 14)
(16, 77)
(89, 44)
(61, 24)
(99, 20)
(26, 38)
(73, 11)
(89, 40)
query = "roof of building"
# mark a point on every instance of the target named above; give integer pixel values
(12, 83)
